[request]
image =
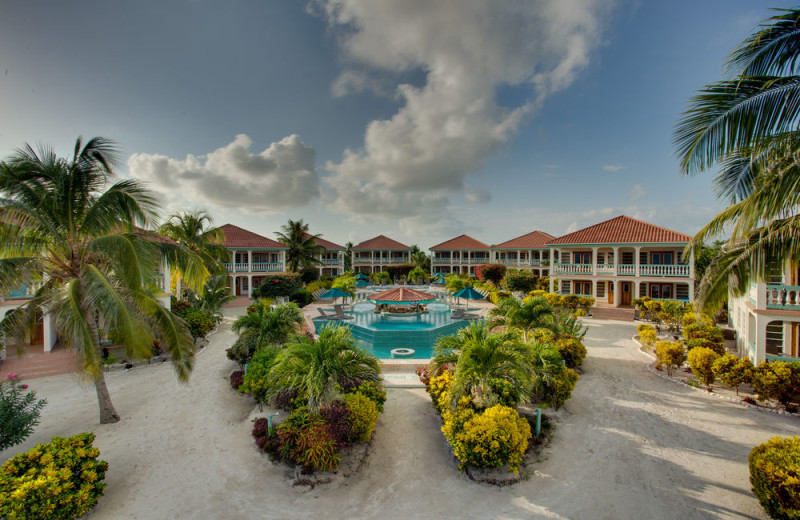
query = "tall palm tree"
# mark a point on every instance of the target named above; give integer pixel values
(348, 258)
(57, 224)
(314, 367)
(525, 316)
(482, 359)
(419, 259)
(303, 249)
(195, 230)
(267, 326)
(747, 126)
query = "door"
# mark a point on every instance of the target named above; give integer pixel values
(610, 292)
(626, 293)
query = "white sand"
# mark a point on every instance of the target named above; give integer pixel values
(630, 445)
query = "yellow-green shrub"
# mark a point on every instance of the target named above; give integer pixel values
(560, 387)
(648, 337)
(60, 479)
(775, 380)
(492, 439)
(643, 327)
(572, 351)
(775, 476)
(363, 414)
(670, 354)
(701, 360)
(437, 387)
(733, 371)
(554, 299)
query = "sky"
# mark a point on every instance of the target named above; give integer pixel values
(417, 119)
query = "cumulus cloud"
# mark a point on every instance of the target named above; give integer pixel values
(447, 128)
(280, 177)
(637, 192)
(613, 167)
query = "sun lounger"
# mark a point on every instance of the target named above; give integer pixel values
(339, 309)
(324, 315)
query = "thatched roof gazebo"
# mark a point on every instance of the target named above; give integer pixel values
(401, 300)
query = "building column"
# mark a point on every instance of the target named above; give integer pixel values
(233, 285)
(595, 283)
(691, 291)
(550, 279)
(761, 339)
(636, 287)
(49, 336)
(594, 260)
(637, 249)
(618, 292)
(616, 260)
(167, 279)
(249, 285)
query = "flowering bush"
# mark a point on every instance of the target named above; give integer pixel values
(733, 371)
(279, 285)
(648, 337)
(776, 380)
(491, 439)
(363, 415)
(559, 388)
(701, 360)
(670, 354)
(200, 322)
(19, 411)
(60, 479)
(519, 281)
(374, 391)
(490, 272)
(572, 351)
(438, 387)
(775, 476)
(237, 378)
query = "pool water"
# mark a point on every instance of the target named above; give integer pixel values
(381, 334)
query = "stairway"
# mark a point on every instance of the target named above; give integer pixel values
(37, 363)
(613, 313)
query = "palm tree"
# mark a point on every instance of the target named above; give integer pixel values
(348, 258)
(315, 367)
(303, 249)
(482, 359)
(748, 126)
(419, 259)
(57, 224)
(525, 316)
(195, 230)
(216, 293)
(267, 326)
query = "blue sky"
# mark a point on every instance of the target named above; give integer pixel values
(415, 119)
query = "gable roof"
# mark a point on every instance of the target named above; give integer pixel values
(461, 242)
(532, 240)
(380, 242)
(622, 230)
(236, 237)
(327, 244)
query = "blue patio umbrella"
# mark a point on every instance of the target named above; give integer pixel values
(362, 276)
(438, 275)
(438, 281)
(469, 293)
(363, 283)
(335, 293)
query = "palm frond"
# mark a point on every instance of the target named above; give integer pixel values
(772, 50)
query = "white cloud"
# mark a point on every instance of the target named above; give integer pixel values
(613, 167)
(637, 192)
(446, 129)
(280, 177)
(477, 195)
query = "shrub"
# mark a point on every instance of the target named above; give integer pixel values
(572, 351)
(200, 322)
(519, 281)
(240, 352)
(490, 272)
(338, 424)
(559, 389)
(733, 371)
(701, 360)
(179, 306)
(776, 380)
(19, 412)
(670, 354)
(309, 274)
(256, 379)
(397, 272)
(301, 297)
(492, 439)
(438, 387)
(571, 301)
(496, 296)
(705, 343)
(543, 282)
(585, 302)
(374, 391)
(60, 479)
(363, 415)
(775, 476)
(237, 378)
(302, 440)
(554, 299)
(279, 285)
(316, 286)
(648, 337)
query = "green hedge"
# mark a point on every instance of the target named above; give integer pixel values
(775, 476)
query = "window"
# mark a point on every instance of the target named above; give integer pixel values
(655, 291)
(582, 258)
(583, 288)
(667, 258)
(655, 258)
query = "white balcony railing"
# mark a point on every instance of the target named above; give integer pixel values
(664, 270)
(333, 261)
(626, 269)
(258, 267)
(572, 269)
(605, 269)
(783, 297)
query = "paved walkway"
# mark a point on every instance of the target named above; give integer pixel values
(628, 445)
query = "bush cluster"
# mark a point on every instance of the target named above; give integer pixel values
(256, 379)
(775, 476)
(279, 285)
(733, 371)
(572, 351)
(670, 354)
(520, 281)
(301, 297)
(237, 378)
(490, 272)
(701, 361)
(704, 335)
(777, 380)
(647, 334)
(19, 411)
(574, 303)
(321, 284)
(60, 479)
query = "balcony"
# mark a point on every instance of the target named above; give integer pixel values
(572, 269)
(333, 261)
(381, 261)
(783, 297)
(678, 270)
(605, 268)
(258, 267)
(626, 269)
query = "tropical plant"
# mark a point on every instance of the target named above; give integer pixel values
(347, 283)
(419, 259)
(216, 293)
(315, 367)
(733, 371)
(552, 382)
(748, 126)
(525, 316)
(303, 249)
(194, 230)
(417, 274)
(279, 285)
(363, 415)
(565, 325)
(256, 380)
(701, 360)
(348, 257)
(455, 282)
(98, 267)
(484, 359)
(777, 380)
(775, 476)
(520, 281)
(491, 272)
(670, 354)
(267, 326)
(19, 411)
(572, 351)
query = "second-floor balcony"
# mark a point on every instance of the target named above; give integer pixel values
(257, 267)
(457, 260)
(573, 269)
(383, 261)
(332, 261)
(650, 270)
(679, 270)
(783, 297)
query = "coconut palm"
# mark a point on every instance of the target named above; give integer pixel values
(483, 359)
(348, 257)
(195, 230)
(747, 126)
(97, 266)
(525, 316)
(315, 367)
(303, 249)
(216, 293)
(266, 326)
(419, 259)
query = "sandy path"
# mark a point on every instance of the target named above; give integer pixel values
(629, 445)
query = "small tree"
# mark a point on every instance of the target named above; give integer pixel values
(346, 283)
(776, 380)
(399, 271)
(733, 371)
(490, 272)
(648, 337)
(520, 281)
(702, 359)
(773, 473)
(670, 354)
(19, 412)
(279, 285)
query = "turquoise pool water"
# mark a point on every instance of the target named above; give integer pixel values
(381, 334)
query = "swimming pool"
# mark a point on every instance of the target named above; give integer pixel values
(380, 334)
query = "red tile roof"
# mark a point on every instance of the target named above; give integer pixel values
(327, 244)
(236, 237)
(533, 240)
(622, 230)
(380, 242)
(402, 294)
(461, 242)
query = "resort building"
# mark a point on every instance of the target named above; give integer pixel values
(459, 255)
(252, 258)
(767, 318)
(622, 259)
(526, 253)
(332, 260)
(376, 254)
